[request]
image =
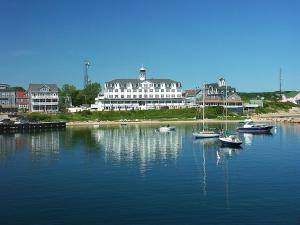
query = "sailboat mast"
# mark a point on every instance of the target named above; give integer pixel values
(226, 106)
(203, 104)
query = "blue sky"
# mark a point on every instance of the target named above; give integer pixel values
(246, 42)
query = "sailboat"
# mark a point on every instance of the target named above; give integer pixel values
(205, 133)
(229, 140)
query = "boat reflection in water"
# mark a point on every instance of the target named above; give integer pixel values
(140, 144)
(224, 155)
(250, 137)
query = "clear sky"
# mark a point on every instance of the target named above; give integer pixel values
(246, 42)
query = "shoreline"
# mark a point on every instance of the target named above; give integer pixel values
(152, 122)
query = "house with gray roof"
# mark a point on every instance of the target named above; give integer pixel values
(7, 99)
(142, 93)
(216, 93)
(43, 97)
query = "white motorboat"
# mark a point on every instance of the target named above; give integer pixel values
(166, 128)
(250, 127)
(231, 140)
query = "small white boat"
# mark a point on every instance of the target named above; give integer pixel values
(123, 122)
(166, 129)
(231, 140)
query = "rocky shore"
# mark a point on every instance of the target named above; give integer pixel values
(292, 116)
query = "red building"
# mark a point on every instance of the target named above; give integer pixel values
(22, 100)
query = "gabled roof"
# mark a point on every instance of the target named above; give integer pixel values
(37, 87)
(192, 92)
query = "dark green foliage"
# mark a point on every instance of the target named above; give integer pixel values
(211, 112)
(38, 117)
(68, 95)
(90, 92)
(18, 88)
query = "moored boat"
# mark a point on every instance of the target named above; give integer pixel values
(231, 140)
(205, 133)
(167, 128)
(250, 127)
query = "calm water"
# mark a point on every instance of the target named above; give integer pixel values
(133, 175)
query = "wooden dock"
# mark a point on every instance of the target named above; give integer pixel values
(31, 127)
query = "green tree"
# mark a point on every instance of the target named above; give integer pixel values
(90, 92)
(18, 88)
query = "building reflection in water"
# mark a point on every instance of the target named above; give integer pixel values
(142, 144)
(44, 145)
(8, 146)
(39, 145)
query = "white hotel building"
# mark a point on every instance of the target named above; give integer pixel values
(142, 93)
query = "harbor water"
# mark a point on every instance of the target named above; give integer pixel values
(135, 175)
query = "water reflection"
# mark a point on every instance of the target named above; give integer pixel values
(40, 145)
(250, 137)
(142, 144)
(44, 145)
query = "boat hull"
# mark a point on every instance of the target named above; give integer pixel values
(230, 143)
(205, 135)
(264, 129)
(166, 129)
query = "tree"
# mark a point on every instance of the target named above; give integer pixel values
(78, 97)
(18, 88)
(90, 92)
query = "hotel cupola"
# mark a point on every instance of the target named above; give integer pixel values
(142, 73)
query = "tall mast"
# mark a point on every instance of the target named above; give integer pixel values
(226, 106)
(203, 103)
(280, 81)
